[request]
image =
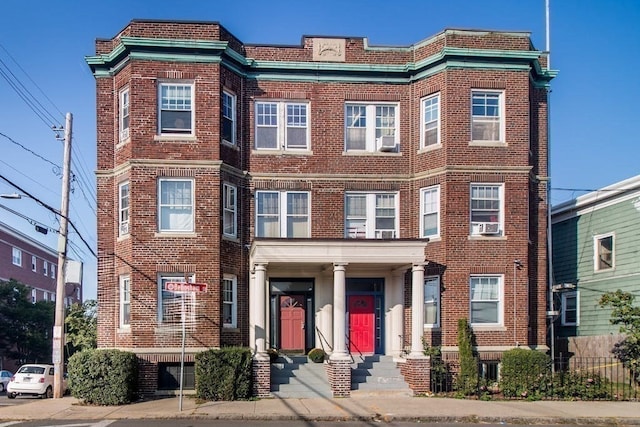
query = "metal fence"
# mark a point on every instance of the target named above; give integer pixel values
(586, 378)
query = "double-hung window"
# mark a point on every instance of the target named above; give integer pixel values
(228, 130)
(432, 302)
(34, 296)
(431, 121)
(570, 309)
(282, 214)
(604, 252)
(486, 300)
(45, 268)
(176, 115)
(53, 271)
(371, 127)
(123, 209)
(229, 301)
(282, 125)
(16, 257)
(34, 263)
(487, 116)
(175, 205)
(175, 307)
(371, 215)
(430, 211)
(230, 208)
(123, 117)
(487, 209)
(125, 301)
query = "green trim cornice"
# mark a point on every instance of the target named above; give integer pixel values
(219, 52)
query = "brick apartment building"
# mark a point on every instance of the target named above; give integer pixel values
(330, 194)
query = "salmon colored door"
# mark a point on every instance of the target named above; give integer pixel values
(292, 316)
(361, 324)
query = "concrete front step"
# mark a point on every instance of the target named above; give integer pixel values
(378, 374)
(297, 377)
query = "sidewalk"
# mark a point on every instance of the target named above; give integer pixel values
(361, 408)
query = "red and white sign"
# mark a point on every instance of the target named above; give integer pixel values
(185, 287)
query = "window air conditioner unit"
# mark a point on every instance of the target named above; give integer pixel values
(387, 143)
(124, 228)
(386, 234)
(488, 227)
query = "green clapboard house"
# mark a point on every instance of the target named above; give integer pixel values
(596, 248)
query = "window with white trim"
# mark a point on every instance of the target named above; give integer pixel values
(229, 301)
(45, 296)
(45, 268)
(175, 205)
(123, 116)
(371, 215)
(230, 212)
(487, 209)
(34, 295)
(431, 121)
(53, 296)
(570, 303)
(282, 125)
(371, 127)
(432, 302)
(487, 116)
(486, 300)
(123, 208)
(53, 271)
(603, 249)
(228, 128)
(34, 263)
(430, 211)
(176, 115)
(125, 301)
(172, 305)
(16, 257)
(283, 214)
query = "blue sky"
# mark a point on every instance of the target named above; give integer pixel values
(594, 100)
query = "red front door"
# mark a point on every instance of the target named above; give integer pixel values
(361, 324)
(292, 315)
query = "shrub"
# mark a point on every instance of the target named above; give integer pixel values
(316, 355)
(524, 373)
(104, 377)
(467, 379)
(224, 374)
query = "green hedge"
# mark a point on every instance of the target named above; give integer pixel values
(524, 373)
(224, 374)
(104, 377)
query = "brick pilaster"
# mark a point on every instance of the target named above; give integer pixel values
(261, 378)
(339, 374)
(417, 373)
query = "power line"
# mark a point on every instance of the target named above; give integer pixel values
(28, 219)
(29, 150)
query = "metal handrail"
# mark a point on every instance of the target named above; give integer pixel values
(322, 338)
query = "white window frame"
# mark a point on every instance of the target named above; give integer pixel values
(186, 204)
(45, 268)
(367, 225)
(229, 210)
(34, 263)
(179, 102)
(124, 199)
(430, 119)
(498, 300)
(482, 115)
(373, 129)
(125, 301)
(230, 299)
(283, 120)
(124, 118)
(53, 296)
(564, 296)
(283, 217)
(228, 114)
(429, 206)
(16, 257)
(190, 316)
(53, 271)
(475, 227)
(34, 296)
(432, 299)
(597, 255)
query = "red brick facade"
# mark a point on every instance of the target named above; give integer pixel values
(451, 64)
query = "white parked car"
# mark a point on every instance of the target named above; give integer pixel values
(33, 380)
(5, 376)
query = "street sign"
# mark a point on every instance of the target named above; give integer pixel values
(185, 287)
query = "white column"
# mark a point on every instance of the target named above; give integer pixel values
(260, 310)
(339, 312)
(417, 310)
(395, 298)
